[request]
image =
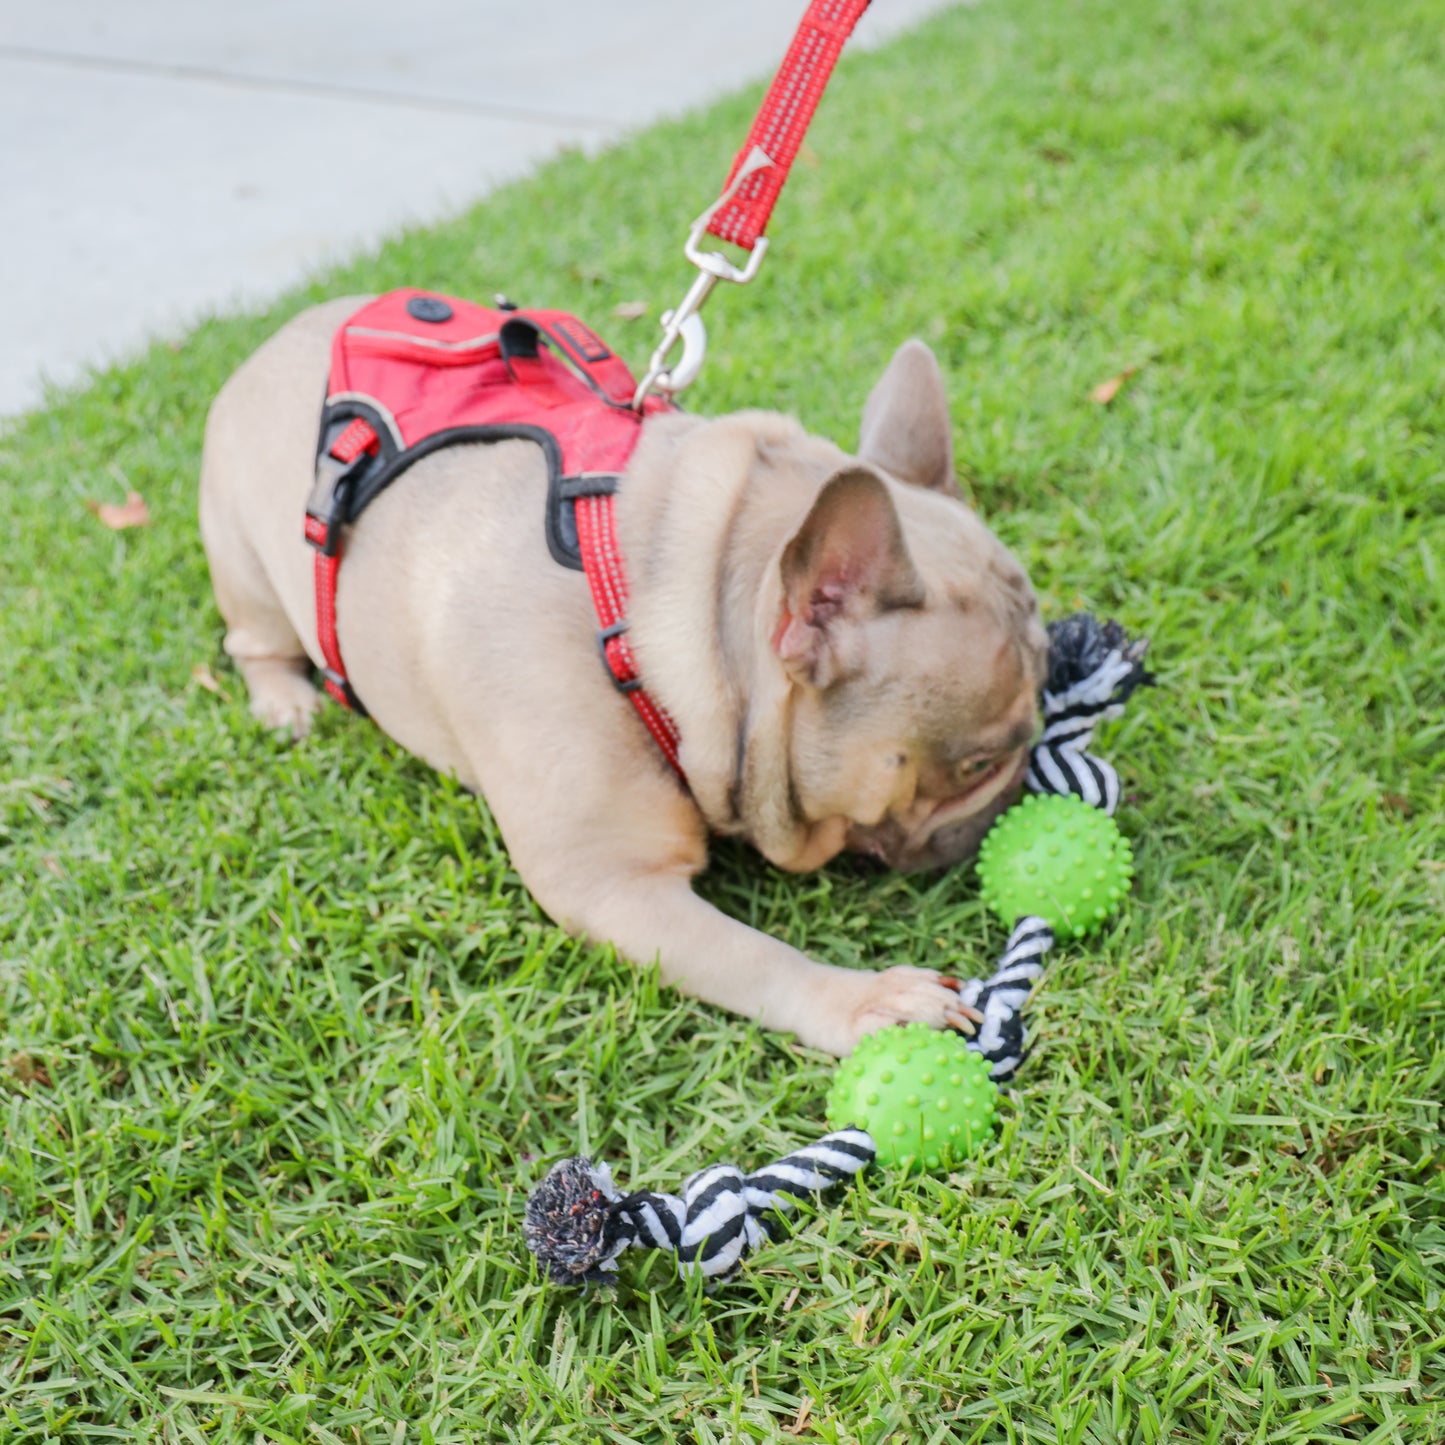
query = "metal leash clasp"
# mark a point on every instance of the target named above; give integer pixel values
(685, 322)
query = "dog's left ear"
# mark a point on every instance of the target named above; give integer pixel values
(847, 563)
(906, 430)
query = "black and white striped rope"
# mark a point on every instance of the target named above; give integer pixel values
(1093, 668)
(1001, 1038)
(577, 1224)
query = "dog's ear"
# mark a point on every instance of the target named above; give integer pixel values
(906, 431)
(846, 563)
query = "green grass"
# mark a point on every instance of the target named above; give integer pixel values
(284, 1042)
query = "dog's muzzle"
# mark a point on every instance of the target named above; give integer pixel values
(948, 840)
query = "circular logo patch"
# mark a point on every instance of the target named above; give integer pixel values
(429, 308)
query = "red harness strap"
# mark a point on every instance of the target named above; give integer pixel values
(783, 120)
(357, 440)
(433, 371)
(607, 577)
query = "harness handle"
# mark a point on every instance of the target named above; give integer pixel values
(584, 353)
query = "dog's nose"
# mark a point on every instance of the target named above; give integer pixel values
(914, 814)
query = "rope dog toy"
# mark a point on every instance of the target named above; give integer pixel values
(1000, 1037)
(577, 1224)
(1094, 668)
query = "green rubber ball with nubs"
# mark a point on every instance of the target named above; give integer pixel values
(1057, 859)
(924, 1096)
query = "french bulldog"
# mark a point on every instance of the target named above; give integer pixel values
(852, 658)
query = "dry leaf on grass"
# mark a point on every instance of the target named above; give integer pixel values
(1106, 391)
(800, 1421)
(30, 1070)
(132, 512)
(630, 310)
(202, 676)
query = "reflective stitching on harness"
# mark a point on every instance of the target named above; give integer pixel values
(357, 437)
(337, 400)
(475, 343)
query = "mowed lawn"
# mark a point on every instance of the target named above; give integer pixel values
(283, 1041)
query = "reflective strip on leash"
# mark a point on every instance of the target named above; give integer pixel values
(783, 120)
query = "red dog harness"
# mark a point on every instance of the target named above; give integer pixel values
(412, 372)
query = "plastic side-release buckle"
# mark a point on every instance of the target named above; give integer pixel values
(342, 691)
(329, 503)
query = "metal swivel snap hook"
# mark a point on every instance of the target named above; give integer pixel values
(685, 323)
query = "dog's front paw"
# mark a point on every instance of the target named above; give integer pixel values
(900, 995)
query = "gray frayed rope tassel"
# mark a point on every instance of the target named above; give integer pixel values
(577, 1223)
(1094, 667)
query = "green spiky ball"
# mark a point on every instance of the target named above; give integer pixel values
(924, 1096)
(1056, 858)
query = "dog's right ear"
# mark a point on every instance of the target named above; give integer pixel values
(846, 563)
(906, 428)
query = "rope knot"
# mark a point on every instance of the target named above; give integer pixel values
(1093, 669)
(577, 1224)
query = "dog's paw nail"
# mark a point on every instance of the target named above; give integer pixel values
(961, 1025)
(948, 981)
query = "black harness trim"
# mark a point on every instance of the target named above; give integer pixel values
(367, 480)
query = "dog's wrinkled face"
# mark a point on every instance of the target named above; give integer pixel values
(918, 711)
(963, 760)
(915, 638)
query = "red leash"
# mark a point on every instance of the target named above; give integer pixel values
(783, 120)
(741, 213)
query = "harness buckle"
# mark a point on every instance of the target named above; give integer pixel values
(609, 634)
(329, 504)
(326, 507)
(341, 689)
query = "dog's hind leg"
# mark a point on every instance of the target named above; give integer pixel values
(259, 635)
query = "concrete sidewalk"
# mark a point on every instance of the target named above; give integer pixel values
(161, 159)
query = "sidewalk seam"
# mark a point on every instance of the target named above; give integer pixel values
(324, 90)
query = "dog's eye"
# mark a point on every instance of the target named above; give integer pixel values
(972, 766)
